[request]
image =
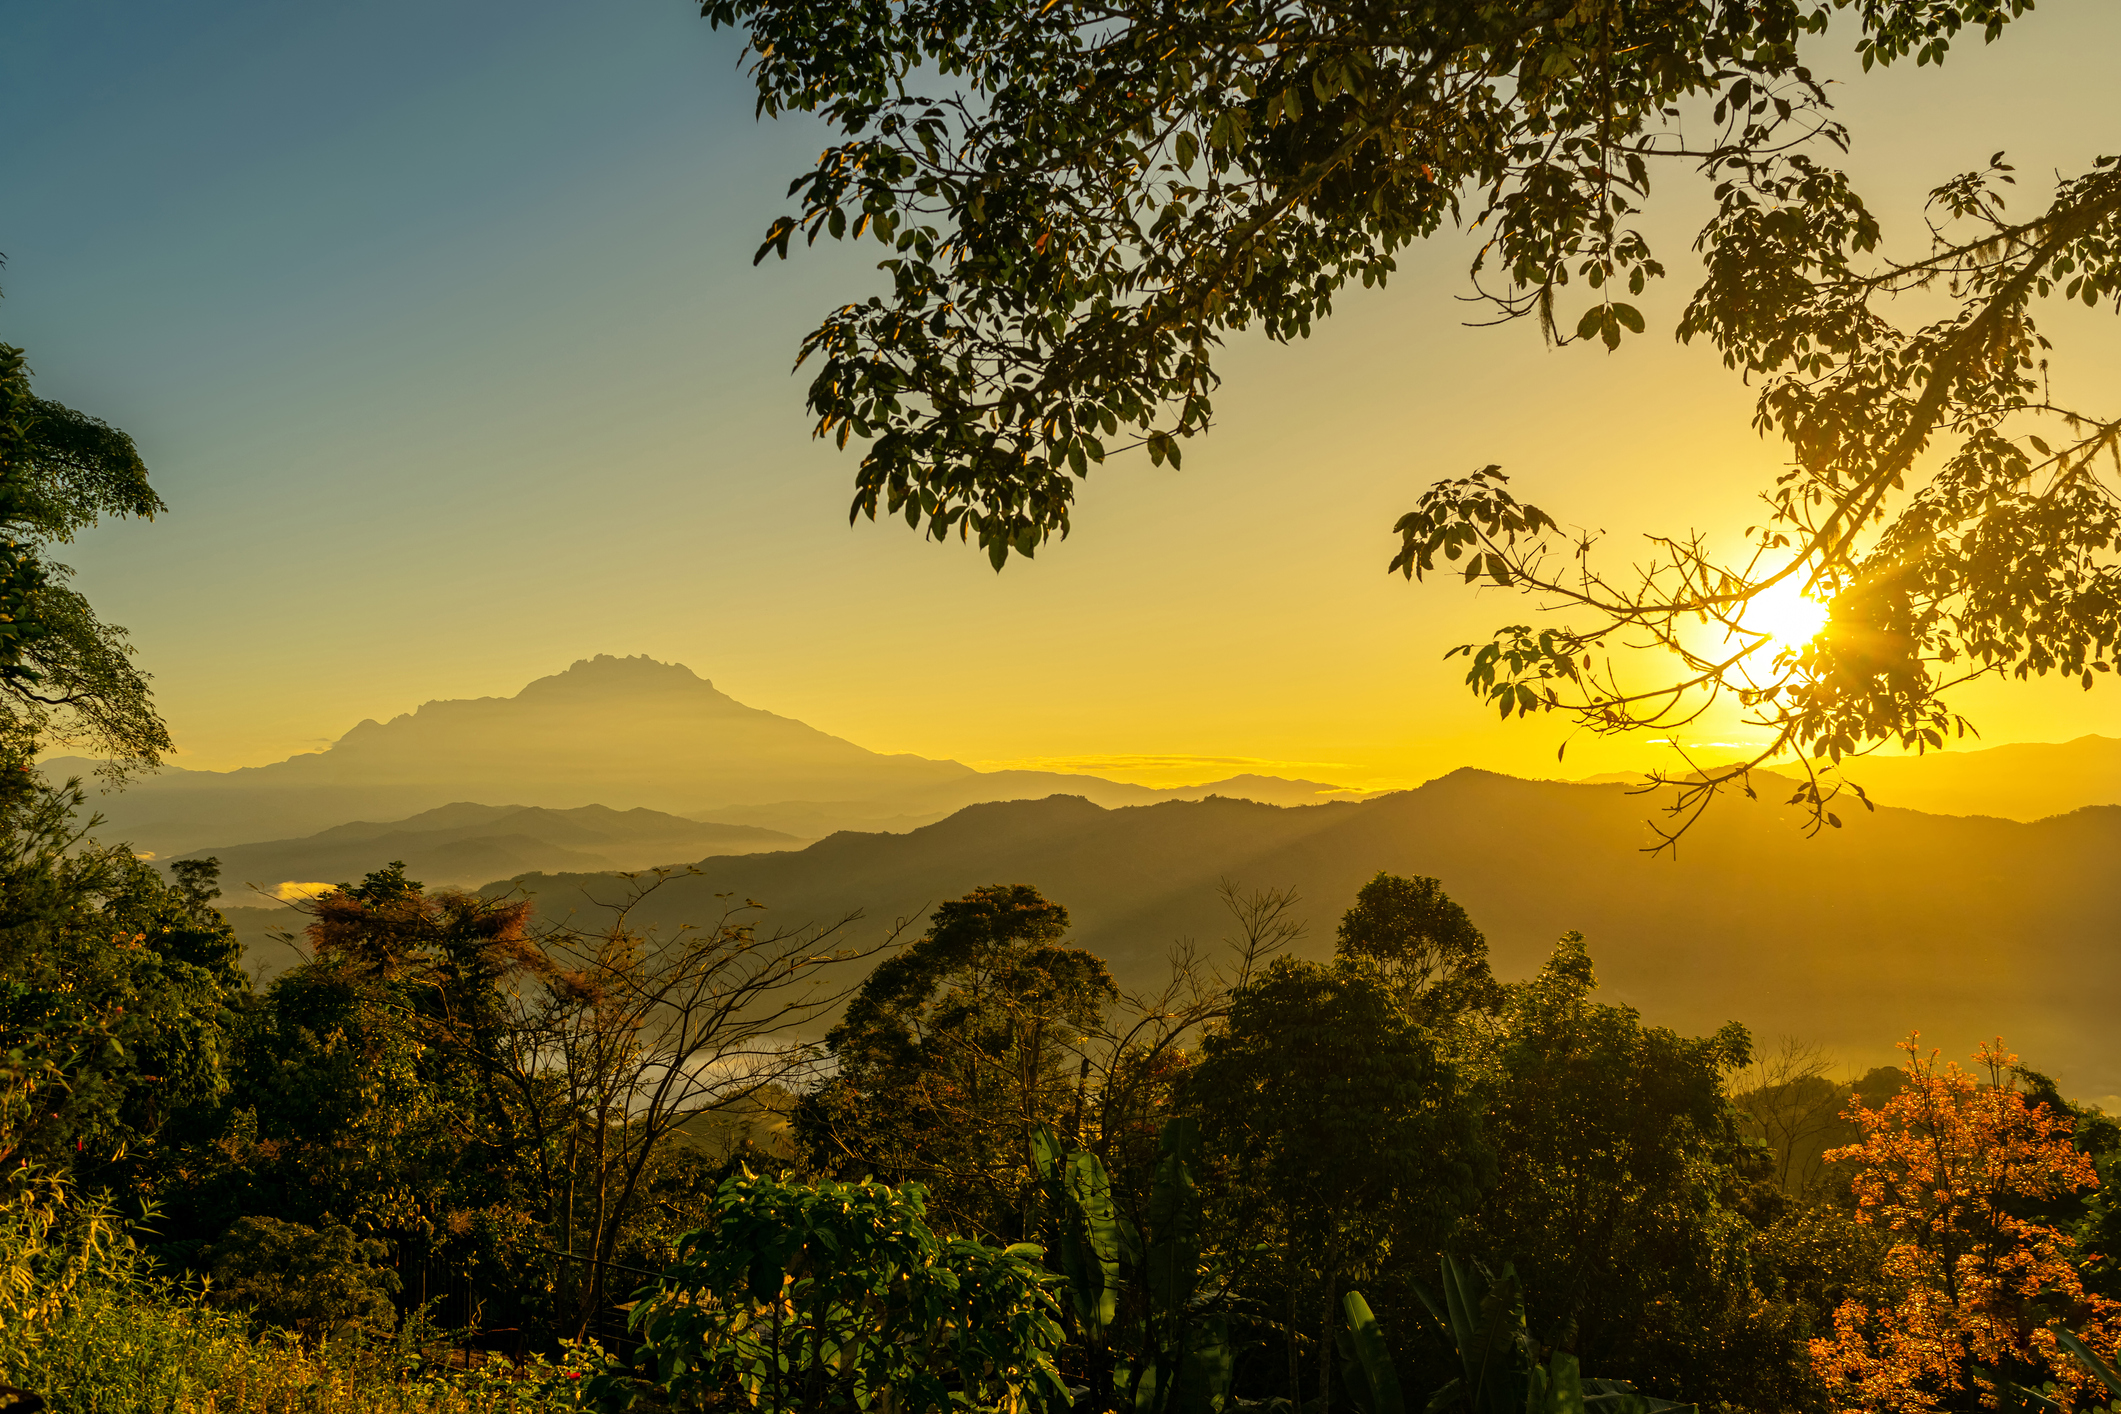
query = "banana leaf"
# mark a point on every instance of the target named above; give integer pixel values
(1379, 1390)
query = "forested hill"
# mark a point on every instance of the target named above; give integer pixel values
(1963, 927)
(2022, 781)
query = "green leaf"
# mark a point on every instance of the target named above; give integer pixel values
(1377, 1367)
(1565, 1388)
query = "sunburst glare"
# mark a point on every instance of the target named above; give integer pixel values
(1787, 615)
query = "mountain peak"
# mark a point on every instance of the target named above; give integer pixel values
(606, 675)
(612, 731)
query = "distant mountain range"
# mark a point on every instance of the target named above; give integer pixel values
(1963, 927)
(2023, 781)
(466, 844)
(619, 732)
(633, 733)
(2028, 781)
(1956, 921)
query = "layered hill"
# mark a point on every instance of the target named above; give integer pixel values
(2022, 781)
(925, 805)
(633, 733)
(1962, 927)
(2025, 781)
(467, 844)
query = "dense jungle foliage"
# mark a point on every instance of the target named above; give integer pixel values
(457, 1147)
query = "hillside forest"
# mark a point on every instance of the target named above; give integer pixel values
(598, 1159)
(618, 1138)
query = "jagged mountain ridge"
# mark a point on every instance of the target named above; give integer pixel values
(1964, 927)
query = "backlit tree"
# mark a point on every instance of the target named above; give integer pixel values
(1950, 1167)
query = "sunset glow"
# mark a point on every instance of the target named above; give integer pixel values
(1789, 617)
(758, 703)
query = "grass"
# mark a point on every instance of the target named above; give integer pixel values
(85, 1324)
(164, 1352)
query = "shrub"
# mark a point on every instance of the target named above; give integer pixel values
(304, 1280)
(85, 1324)
(833, 1296)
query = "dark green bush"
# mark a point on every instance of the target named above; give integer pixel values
(300, 1279)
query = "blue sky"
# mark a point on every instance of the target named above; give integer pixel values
(438, 327)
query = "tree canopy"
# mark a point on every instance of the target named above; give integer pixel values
(1422, 940)
(1079, 201)
(956, 1050)
(66, 677)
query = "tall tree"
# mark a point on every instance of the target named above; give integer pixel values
(1348, 1144)
(1420, 939)
(365, 1086)
(956, 1051)
(1620, 1172)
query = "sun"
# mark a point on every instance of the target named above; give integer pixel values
(1788, 617)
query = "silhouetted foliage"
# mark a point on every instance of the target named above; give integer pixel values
(1620, 1170)
(1423, 942)
(1078, 202)
(954, 1051)
(1341, 1132)
(115, 987)
(311, 1282)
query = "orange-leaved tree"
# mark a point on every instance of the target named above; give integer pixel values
(1954, 1168)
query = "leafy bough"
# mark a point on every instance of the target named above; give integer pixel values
(1175, 1354)
(838, 1297)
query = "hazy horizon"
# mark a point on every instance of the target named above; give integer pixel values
(1156, 772)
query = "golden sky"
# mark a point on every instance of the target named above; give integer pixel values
(441, 334)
